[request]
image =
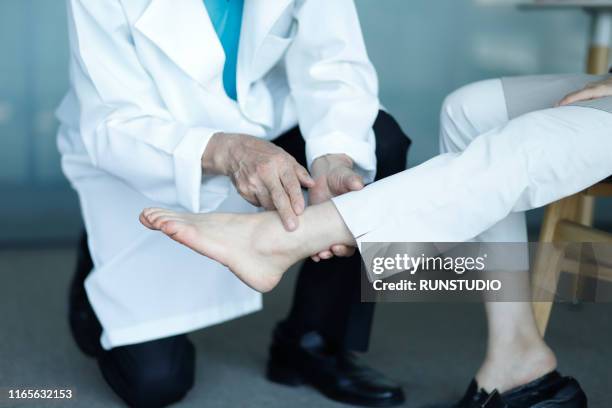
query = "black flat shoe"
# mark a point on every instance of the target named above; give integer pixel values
(84, 325)
(336, 374)
(549, 391)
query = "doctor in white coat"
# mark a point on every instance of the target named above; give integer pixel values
(175, 103)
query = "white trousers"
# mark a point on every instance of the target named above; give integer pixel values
(491, 170)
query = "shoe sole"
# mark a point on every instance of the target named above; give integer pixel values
(289, 377)
(570, 399)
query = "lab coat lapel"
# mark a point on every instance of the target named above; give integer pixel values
(258, 19)
(183, 31)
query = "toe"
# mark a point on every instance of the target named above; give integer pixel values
(180, 232)
(159, 215)
(170, 227)
(151, 215)
(144, 221)
(148, 212)
(162, 219)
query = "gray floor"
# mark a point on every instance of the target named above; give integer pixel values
(432, 349)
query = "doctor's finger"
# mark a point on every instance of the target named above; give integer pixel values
(264, 199)
(318, 257)
(342, 251)
(253, 200)
(345, 180)
(248, 195)
(283, 206)
(294, 190)
(305, 179)
(327, 254)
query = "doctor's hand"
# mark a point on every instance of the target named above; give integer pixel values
(264, 174)
(334, 175)
(594, 90)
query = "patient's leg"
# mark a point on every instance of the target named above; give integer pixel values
(255, 247)
(516, 353)
(530, 162)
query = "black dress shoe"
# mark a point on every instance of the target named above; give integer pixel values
(549, 391)
(336, 374)
(84, 325)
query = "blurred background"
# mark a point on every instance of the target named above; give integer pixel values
(422, 49)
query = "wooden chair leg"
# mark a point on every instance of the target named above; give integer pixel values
(545, 279)
(549, 259)
(584, 216)
(586, 210)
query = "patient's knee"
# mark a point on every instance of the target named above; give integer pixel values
(470, 111)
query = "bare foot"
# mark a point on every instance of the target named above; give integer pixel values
(253, 246)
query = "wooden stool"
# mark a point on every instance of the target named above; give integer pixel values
(567, 221)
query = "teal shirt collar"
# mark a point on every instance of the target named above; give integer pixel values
(226, 18)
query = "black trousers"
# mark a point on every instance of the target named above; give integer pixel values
(328, 294)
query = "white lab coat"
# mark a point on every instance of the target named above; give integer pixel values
(146, 96)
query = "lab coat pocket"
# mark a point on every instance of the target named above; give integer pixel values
(270, 52)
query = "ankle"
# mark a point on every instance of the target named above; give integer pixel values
(530, 347)
(537, 355)
(278, 241)
(325, 226)
(514, 365)
(320, 227)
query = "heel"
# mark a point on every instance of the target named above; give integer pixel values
(283, 374)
